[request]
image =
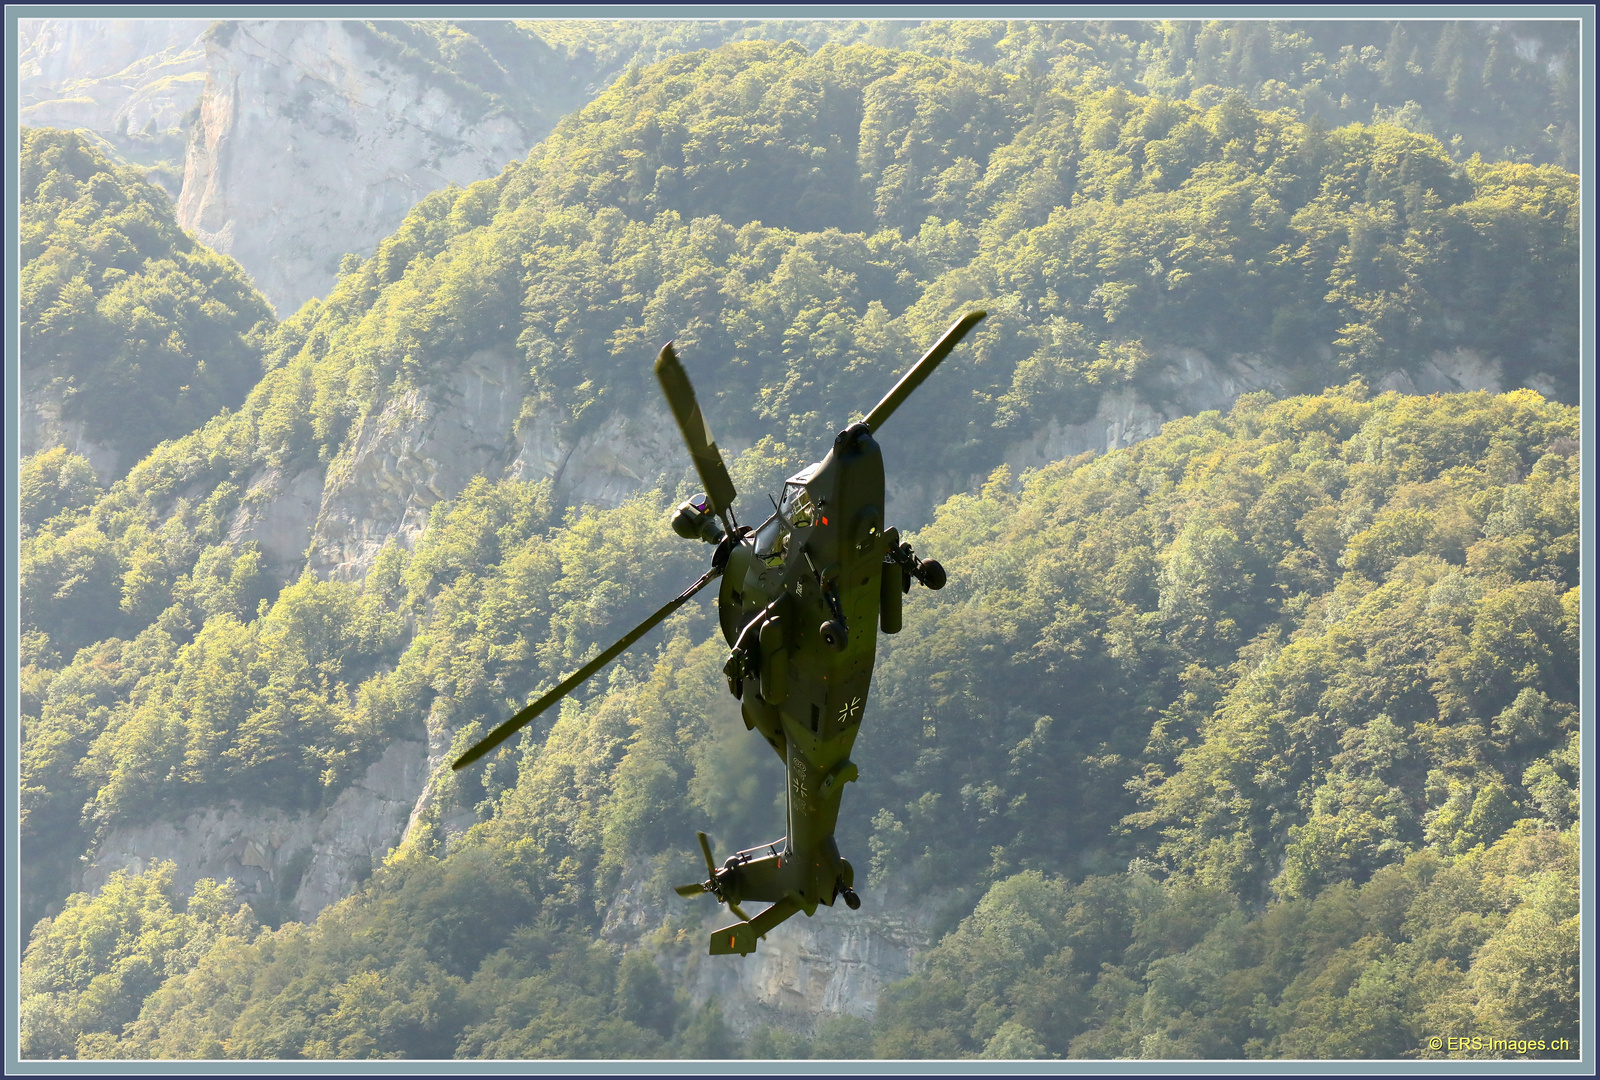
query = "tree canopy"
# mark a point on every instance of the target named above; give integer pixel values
(141, 332)
(1307, 670)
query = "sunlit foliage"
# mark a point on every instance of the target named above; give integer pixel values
(141, 332)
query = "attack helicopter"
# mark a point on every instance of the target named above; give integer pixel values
(802, 598)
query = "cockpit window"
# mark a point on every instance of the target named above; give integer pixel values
(797, 506)
(772, 541)
(795, 510)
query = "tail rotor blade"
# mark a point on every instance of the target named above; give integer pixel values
(690, 890)
(576, 679)
(696, 433)
(711, 869)
(922, 369)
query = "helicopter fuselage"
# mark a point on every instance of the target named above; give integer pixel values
(802, 599)
(799, 605)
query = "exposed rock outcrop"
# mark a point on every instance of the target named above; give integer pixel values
(419, 449)
(605, 466)
(1190, 382)
(42, 427)
(1447, 373)
(309, 146)
(298, 863)
(306, 146)
(427, 445)
(278, 512)
(807, 969)
(832, 964)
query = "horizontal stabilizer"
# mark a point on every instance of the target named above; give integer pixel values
(741, 937)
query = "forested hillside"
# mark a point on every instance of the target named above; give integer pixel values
(802, 223)
(1506, 88)
(1255, 739)
(140, 332)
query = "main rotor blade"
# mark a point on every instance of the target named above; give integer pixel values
(702, 447)
(571, 682)
(922, 369)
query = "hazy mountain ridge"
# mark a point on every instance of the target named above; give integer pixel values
(110, 75)
(354, 97)
(140, 83)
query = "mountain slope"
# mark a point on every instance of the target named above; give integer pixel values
(501, 329)
(301, 105)
(1353, 619)
(133, 333)
(110, 75)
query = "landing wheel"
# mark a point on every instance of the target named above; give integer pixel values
(851, 900)
(933, 575)
(833, 635)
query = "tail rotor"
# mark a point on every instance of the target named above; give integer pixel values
(712, 884)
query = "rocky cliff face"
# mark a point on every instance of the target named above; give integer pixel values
(293, 865)
(41, 426)
(304, 145)
(1190, 382)
(834, 963)
(308, 147)
(427, 446)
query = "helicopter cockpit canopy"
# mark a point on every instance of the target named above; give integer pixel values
(795, 511)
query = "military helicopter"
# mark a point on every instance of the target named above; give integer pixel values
(803, 595)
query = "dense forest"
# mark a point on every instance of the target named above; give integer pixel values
(1167, 204)
(1507, 88)
(1256, 739)
(1299, 716)
(143, 333)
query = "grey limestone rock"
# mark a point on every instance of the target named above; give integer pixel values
(278, 512)
(421, 448)
(310, 860)
(42, 427)
(834, 963)
(308, 146)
